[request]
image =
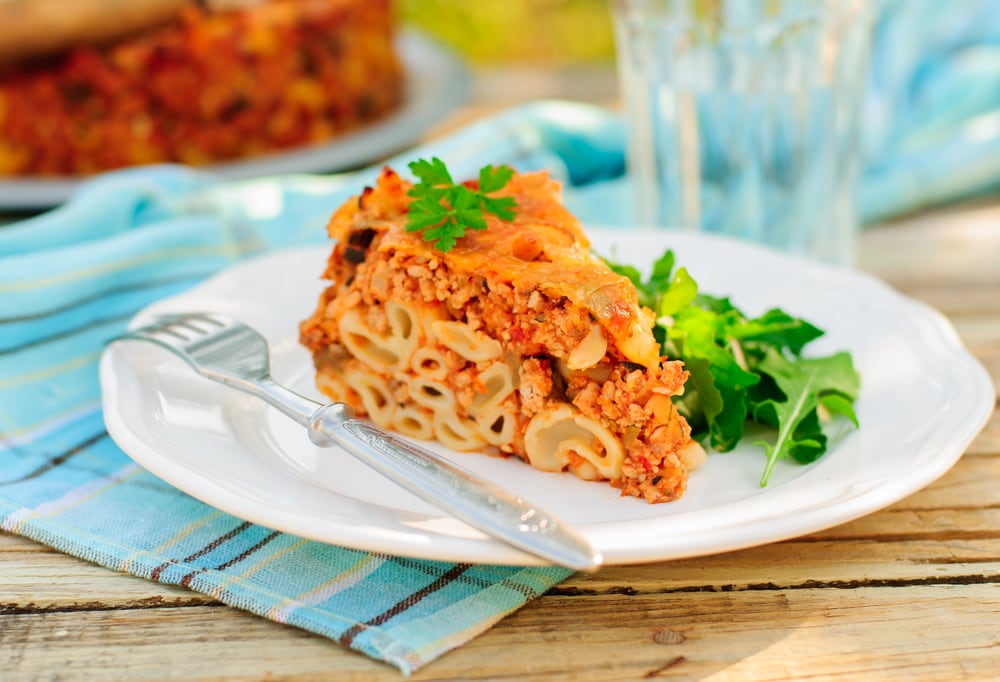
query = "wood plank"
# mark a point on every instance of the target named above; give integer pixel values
(62, 583)
(988, 440)
(930, 633)
(184, 643)
(763, 635)
(800, 564)
(906, 524)
(980, 335)
(950, 246)
(38, 578)
(970, 484)
(946, 532)
(865, 557)
(809, 562)
(15, 543)
(976, 301)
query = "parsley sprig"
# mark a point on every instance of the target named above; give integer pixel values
(443, 210)
(745, 370)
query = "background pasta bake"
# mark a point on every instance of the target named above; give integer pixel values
(202, 85)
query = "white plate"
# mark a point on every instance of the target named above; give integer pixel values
(436, 82)
(922, 401)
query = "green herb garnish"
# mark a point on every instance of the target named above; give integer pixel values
(746, 369)
(443, 211)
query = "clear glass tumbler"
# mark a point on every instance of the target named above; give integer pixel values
(743, 117)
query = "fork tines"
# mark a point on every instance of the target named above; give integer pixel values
(179, 325)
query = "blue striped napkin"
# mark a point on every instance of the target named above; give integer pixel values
(71, 279)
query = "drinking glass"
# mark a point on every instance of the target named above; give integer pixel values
(743, 117)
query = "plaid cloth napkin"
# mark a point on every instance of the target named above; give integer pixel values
(71, 279)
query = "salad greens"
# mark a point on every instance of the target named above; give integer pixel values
(745, 370)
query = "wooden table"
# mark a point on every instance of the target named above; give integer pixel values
(911, 592)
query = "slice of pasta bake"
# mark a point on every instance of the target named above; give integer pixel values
(517, 340)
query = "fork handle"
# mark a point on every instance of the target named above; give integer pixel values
(454, 489)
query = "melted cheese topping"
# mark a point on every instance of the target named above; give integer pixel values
(542, 249)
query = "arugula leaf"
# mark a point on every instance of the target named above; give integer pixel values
(745, 370)
(803, 384)
(777, 328)
(444, 211)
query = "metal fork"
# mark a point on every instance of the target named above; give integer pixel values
(236, 355)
